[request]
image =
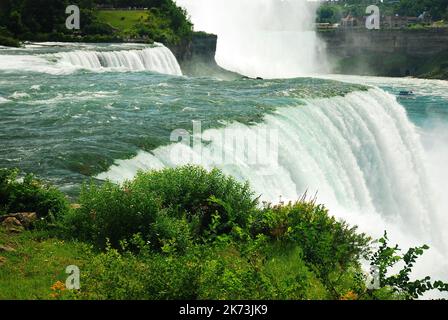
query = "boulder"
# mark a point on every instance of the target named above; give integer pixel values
(11, 224)
(26, 219)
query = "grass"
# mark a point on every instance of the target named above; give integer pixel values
(123, 20)
(36, 264)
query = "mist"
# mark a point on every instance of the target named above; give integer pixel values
(262, 38)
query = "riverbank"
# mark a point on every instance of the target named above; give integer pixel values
(155, 236)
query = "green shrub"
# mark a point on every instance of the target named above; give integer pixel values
(29, 195)
(112, 213)
(328, 245)
(289, 275)
(9, 42)
(227, 274)
(200, 194)
(261, 271)
(385, 258)
(169, 208)
(153, 276)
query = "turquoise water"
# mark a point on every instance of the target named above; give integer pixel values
(69, 126)
(429, 103)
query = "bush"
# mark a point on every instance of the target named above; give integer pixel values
(328, 245)
(9, 42)
(199, 194)
(112, 213)
(228, 274)
(261, 270)
(115, 275)
(203, 272)
(386, 258)
(168, 208)
(29, 195)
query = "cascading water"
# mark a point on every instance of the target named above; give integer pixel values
(157, 59)
(262, 38)
(360, 152)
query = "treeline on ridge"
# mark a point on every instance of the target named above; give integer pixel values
(44, 20)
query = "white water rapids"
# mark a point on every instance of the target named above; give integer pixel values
(157, 59)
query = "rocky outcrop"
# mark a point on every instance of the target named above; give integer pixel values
(387, 52)
(196, 57)
(12, 225)
(17, 222)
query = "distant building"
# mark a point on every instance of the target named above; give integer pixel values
(105, 6)
(350, 22)
(398, 22)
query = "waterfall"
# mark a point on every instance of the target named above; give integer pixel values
(158, 59)
(94, 58)
(359, 152)
(262, 38)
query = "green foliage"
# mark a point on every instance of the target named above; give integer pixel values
(111, 212)
(168, 208)
(9, 42)
(437, 9)
(188, 233)
(7, 39)
(387, 257)
(197, 194)
(187, 214)
(29, 195)
(327, 244)
(121, 274)
(329, 14)
(43, 20)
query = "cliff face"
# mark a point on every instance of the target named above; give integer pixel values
(197, 57)
(421, 53)
(396, 53)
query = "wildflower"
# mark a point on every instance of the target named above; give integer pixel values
(58, 286)
(349, 296)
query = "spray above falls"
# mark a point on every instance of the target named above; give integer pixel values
(262, 38)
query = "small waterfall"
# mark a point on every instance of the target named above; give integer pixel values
(158, 59)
